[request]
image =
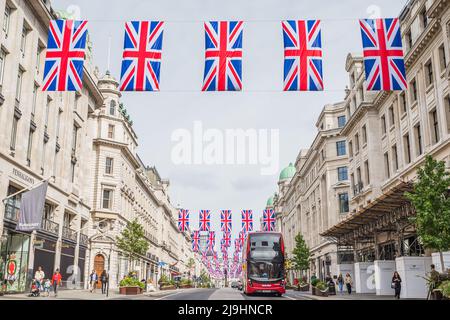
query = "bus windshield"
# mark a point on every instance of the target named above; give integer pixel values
(266, 260)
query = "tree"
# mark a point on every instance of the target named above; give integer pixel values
(190, 264)
(301, 254)
(431, 200)
(132, 241)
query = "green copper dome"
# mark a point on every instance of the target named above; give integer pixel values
(288, 173)
(270, 202)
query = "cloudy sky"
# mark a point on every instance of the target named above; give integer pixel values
(262, 105)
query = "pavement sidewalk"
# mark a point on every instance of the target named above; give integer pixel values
(345, 296)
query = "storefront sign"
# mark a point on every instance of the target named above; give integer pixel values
(23, 176)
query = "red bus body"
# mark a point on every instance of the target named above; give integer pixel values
(264, 263)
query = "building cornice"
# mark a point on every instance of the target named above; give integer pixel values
(422, 43)
(438, 8)
(122, 146)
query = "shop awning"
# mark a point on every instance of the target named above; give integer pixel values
(387, 203)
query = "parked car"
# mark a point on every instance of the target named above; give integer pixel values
(234, 284)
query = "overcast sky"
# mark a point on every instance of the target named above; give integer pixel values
(262, 105)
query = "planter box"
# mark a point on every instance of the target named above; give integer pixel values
(167, 287)
(304, 288)
(319, 293)
(186, 286)
(130, 291)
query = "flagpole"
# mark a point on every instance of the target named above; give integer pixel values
(26, 189)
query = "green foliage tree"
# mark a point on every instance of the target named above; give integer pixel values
(431, 199)
(301, 254)
(132, 241)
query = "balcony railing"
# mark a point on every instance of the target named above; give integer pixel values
(50, 226)
(11, 213)
(69, 234)
(84, 239)
(358, 189)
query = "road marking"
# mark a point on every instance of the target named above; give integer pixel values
(286, 296)
(170, 295)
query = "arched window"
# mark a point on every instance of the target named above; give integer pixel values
(112, 108)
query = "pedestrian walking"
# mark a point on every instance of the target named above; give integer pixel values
(104, 279)
(93, 280)
(348, 283)
(56, 281)
(340, 282)
(396, 284)
(39, 276)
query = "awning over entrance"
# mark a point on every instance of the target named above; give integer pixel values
(378, 216)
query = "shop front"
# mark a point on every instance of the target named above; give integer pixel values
(67, 263)
(44, 254)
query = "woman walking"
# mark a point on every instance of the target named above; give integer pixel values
(349, 283)
(104, 280)
(93, 279)
(397, 284)
(56, 281)
(340, 282)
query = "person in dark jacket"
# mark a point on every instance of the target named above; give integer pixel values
(104, 280)
(397, 284)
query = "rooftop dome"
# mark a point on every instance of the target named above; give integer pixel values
(270, 202)
(288, 173)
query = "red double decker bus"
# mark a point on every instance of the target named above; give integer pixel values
(263, 267)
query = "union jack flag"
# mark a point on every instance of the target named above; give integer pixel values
(237, 246)
(227, 239)
(223, 56)
(141, 62)
(241, 238)
(183, 220)
(64, 60)
(225, 221)
(302, 55)
(195, 241)
(383, 54)
(269, 220)
(247, 220)
(205, 220)
(211, 242)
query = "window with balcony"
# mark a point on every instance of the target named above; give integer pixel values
(341, 150)
(429, 74)
(107, 199)
(434, 125)
(342, 174)
(343, 203)
(442, 58)
(407, 146)
(109, 165)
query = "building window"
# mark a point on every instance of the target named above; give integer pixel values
(424, 19)
(395, 157)
(429, 75)
(109, 165)
(19, 85)
(391, 117)
(74, 139)
(107, 199)
(12, 144)
(44, 152)
(419, 147)
(366, 169)
(23, 40)
(343, 203)
(358, 178)
(110, 131)
(407, 146)
(7, 20)
(364, 134)
(34, 102)
(447, 112)
(387, 169)
(408, 39)
(39, 51)
(442, 58)
(30, 146)
(403, 103)
(341, 150)
(2, 66)
(76, 101)
(413, 88)
(112, 108)
(350, 148)
(434, 126)
(357, 143)
(47, 114)
(58, 125)
(342, 174)
(342, 120)
(383, 124)
(72, 170)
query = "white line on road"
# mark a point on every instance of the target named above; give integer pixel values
(170, 295)
(286, 296)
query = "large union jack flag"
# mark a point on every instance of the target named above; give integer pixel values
(223, 56)
(247, 220)
(65, 55)
(205, 220)
(383, 54)
(302, 55)
(225, 221)
(141, 62)
(183, 220)
(195, 241)
(269, 220)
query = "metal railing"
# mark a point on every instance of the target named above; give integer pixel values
(358, 189)
(69, 234)
(50, 226)
(84, 239)
(11, 213)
